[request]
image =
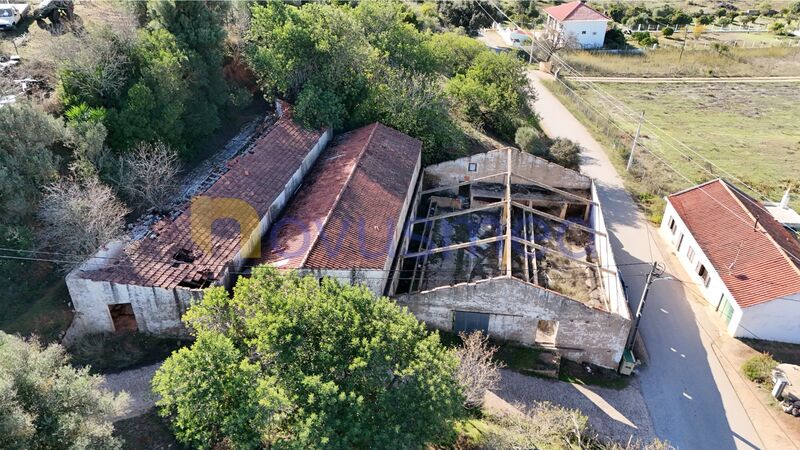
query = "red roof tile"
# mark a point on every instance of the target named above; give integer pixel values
(346, 213)
(252, 183)
(575, 11)
(753, 261)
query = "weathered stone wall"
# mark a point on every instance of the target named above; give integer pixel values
(584, 333)
(496, 161)
(157, 310)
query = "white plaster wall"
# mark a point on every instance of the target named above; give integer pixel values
(778, 320)
(595, 32)
(612, 286)
(716, 288)
(157, 310)
(515, 307)
(375, 280)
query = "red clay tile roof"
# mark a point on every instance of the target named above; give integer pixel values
(347, 211)
(248, 189)
(752, 264)
(575, 11)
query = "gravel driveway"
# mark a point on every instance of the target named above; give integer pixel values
(136, 382)
(615, 414)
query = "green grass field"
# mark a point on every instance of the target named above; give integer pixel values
(750, 130)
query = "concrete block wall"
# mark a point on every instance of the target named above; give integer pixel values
(515, 307)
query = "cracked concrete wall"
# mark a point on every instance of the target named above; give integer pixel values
(495, 161)
(515, 307)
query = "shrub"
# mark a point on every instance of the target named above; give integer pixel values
(529, 140)
(759, 368)
(667, 32)
(477, 372)
(566, 153)
(615, 39)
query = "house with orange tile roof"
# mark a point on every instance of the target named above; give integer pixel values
(746, 263)
(576, 22)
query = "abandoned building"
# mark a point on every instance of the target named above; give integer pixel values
(515, 246)
(146, 284)
(346, 220)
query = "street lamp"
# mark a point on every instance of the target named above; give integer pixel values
(655, 275)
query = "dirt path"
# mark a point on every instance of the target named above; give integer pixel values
(136, 382)
(689, 79)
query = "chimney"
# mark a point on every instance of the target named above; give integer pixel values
(785, 200)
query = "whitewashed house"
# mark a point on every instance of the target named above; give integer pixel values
(744, 261)
(576, 22)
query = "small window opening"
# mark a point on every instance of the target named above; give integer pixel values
(473, 167)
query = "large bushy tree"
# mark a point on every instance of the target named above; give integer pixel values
(316, 56)
(47, 404)
(493, 93)
(471, 15)
(301, 363)
(199, 30)
(26, 158)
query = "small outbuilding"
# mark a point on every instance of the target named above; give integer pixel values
(746, 263)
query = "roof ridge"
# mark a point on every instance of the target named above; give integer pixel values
(784, 253)
(577, 4)
(694, 187)
(339, 195)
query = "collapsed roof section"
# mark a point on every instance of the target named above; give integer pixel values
(352, 205)
(198, 246)
(506, 213)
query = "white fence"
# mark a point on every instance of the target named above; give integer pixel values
(749, 28)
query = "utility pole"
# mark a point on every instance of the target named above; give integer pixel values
(685, 32)
(655, 274)
(635, 140)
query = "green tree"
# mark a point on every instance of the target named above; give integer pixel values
(198, 28)
(298, 363)
(398, 41)
(667, 32)
(454, 53)
(47, 404)
(493, 93)
(467, 14)
(414, 104)
(154, 107)
(320, 48)
(26, 158)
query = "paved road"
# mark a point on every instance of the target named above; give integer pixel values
(690, 399)
(690, 79)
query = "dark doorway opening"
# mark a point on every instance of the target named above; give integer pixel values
(123, 317)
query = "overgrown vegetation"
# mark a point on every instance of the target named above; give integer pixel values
(292, 362)
(346, 67)
(544, 426)
(114, 352)
(45, 403)
(759, 368)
